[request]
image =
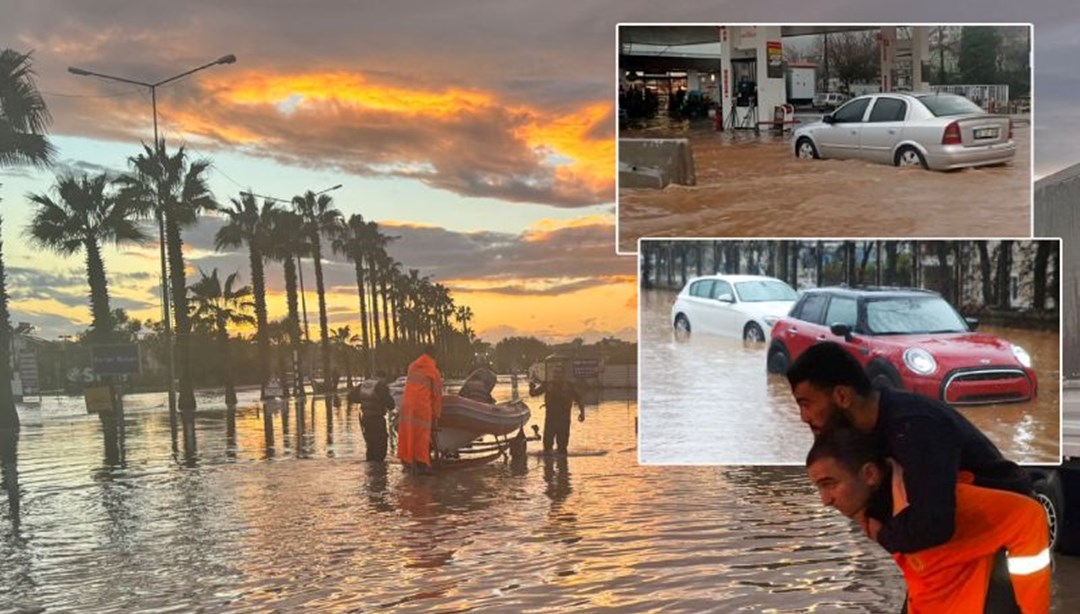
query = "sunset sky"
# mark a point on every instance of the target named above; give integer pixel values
(479, 132)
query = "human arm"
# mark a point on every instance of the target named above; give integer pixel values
(930, 456)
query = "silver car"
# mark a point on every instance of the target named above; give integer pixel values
(936, 131)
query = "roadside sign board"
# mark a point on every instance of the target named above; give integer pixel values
(115, 359)
(98, 399)
(586, 368)
(28, 372)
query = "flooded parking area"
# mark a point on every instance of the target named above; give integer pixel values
(709, 400)
(749, 186)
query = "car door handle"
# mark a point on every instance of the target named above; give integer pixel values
(821, 337)
(892, 131)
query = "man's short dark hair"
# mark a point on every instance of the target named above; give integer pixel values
(827, 365)
(848, 446)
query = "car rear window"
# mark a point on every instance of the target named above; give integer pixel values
(912, 315)
(764, 290)
(888, 110)
(942, 105)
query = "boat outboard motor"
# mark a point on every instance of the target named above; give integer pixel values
(478, 386)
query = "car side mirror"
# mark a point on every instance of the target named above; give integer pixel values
(726, 298)
(841, 330)
(829, 119)
(972, 323)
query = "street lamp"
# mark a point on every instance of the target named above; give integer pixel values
(225, 59)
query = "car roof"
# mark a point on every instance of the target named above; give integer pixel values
(879, 291)
(735, 278)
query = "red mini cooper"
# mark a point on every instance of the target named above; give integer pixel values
(907, 338)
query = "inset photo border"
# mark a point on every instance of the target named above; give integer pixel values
(973, 323)
(796, 131)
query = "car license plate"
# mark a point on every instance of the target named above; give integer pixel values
(986, 133)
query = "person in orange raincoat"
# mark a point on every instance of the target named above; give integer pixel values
(957, 576)
(421, 405)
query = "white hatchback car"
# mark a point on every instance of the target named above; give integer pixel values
(741, 306)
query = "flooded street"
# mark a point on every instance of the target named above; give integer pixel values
(708, 400)
(313, 528)
(755, 187)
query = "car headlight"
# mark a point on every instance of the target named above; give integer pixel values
(1022, 355)
(770, 320)
(920, 361)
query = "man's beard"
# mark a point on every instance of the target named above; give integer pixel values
(838, 419)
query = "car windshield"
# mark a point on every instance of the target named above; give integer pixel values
(942, 105)
(912, 315)
(764, 290)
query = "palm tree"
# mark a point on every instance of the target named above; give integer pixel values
(354, 242)
(464, 315)
(84, 218)
(286, 245)
(248, 224)
(222, 306)
(342, 338)
(24, 119)
(319, 217)
(176, 189)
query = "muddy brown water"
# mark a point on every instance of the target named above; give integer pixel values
(709, 400)
(308, 526)
(751, 186)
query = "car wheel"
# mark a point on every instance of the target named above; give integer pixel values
(682, 326)
(805, 149)
(909, 156)
(1050, 499)
(779, 360)
(883, 376)
(753, 333)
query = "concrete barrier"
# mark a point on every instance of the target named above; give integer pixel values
(654, 163)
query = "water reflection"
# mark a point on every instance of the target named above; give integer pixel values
(709, 400)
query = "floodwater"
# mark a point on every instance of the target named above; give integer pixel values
(709, 400)
(749, 186)
(311, 527)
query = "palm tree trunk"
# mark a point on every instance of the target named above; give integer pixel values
(328, 380)
(386, 312)
(9, 418)
(293, 323)
(258, 285)
(230, 387)
(363, 310)
(375, 273)
(99, 292)
(186, 400)
(395, 314)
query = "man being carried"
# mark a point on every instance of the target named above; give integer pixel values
(955, 576)
(930, 440)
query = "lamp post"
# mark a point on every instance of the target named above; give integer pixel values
(300, 268)
(225, 59)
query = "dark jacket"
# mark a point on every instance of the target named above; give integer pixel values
(373, 397)
(933, 443)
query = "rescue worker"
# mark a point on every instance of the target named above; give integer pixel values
(420, 408)
(559, 398)
(375, 401)
(931, 440)
(956, 576)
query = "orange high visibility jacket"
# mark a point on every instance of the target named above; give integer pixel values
(954, 576)
(420, 407)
